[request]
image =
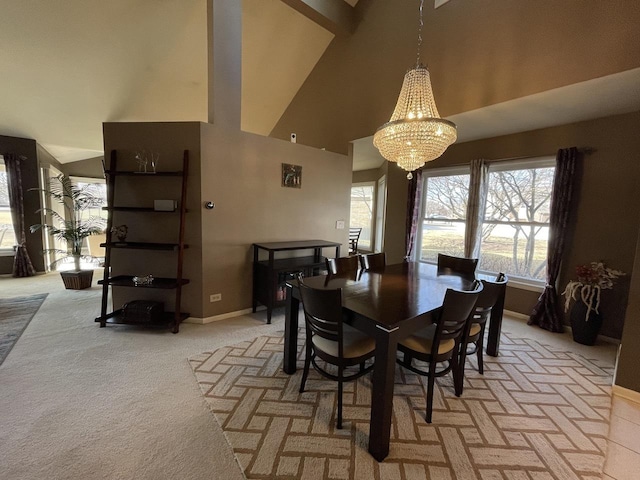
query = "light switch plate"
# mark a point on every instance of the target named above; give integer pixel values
(340, 225)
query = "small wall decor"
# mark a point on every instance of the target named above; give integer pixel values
(120, 232)
(291, 175)
(147, 161)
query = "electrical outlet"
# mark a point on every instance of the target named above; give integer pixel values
(340, 225)
(216, 297)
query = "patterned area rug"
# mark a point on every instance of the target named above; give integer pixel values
(535, 414)
(15, 315)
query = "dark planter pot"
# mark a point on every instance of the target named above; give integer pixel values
(77, 279)
(585, 331)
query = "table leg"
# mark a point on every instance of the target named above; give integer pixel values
(290, 332)
(382, 395)
(495, 326)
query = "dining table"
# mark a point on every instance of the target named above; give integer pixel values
(388, 304)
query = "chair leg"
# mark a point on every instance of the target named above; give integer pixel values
(480, 348)
(339, 398)
(458, 369)
(307, 364)
(430, 385)
(407, 358)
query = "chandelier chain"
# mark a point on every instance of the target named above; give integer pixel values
(420, 25)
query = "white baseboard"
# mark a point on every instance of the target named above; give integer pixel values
(516, 315)
(627, 394)
(223, 316)
(567, 328)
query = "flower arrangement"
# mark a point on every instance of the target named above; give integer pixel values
(592, 279)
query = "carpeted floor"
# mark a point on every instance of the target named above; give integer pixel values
(538, 412)
(15, 315)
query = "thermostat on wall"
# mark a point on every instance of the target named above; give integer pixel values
(165, 205)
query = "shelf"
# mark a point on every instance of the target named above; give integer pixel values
(117, 318)
(127, 281)
(143, 174)
(142, 245)
(139, 209)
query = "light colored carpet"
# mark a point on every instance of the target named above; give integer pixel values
(78, 402)
(536, 413)
(15, 315)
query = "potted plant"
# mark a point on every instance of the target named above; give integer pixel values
(71, 227)
(585, 316)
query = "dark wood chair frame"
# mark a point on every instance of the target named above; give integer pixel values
(354, 236)
(323, 317)
(452, 322)
(487, 299)
(343, 265)
(373, 261)
(456, 265)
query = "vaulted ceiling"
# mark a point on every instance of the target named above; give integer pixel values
(69, 66)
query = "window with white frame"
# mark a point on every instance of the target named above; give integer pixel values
(363, 199)
(7, 235)
(515, 228)
(444, 212)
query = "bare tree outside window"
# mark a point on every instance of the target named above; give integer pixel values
(445, 211)
(516, 226)
(516, 220)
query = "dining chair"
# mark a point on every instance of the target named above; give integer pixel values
(343, 265)
(373, 261)
(354, 236)
(475, 335)
(460, 265)
(440, 341)
(331, 340)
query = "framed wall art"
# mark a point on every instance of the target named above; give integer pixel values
(291, 175)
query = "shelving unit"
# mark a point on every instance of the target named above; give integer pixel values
(270, 274)
(124, 279)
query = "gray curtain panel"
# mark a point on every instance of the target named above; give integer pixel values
(478, 190)
(546, 314)
(22, 266)
(414, 195)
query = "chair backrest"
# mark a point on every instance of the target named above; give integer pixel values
(354, 236)
(449, 264)
(373, 261)
(322, 312)
(489, 296)
(342, 265)
(457, 311)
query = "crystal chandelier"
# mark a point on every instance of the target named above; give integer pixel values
(415, 134)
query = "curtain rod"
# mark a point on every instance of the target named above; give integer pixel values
(582, 150)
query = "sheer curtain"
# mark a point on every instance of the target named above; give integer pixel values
(546, 314)
(478, 188)
(414, 196)
(22, 266)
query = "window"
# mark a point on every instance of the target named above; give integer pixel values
(516, 220)
(362, 202)
(7, 236)
(515, 229)
(444, 212)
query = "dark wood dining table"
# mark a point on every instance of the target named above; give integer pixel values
(388, 305)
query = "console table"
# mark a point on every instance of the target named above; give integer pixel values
(271, 273)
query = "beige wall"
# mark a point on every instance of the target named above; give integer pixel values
(627, 371)
(479, 54)
(90, 168)
(241, 174)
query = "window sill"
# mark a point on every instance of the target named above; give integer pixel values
(522, 284)
(6, 252)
